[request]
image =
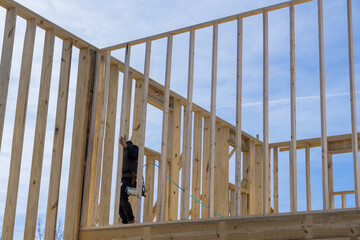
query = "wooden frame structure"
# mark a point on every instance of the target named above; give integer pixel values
(209, 142)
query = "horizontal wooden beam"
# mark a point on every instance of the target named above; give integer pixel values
(343, 192)
(337, 143)
(332, 224)
(207, 24)
(45, 24)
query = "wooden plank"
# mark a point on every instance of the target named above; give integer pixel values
(196, 175)
(5, 64)
(343, 200)
(238, 117)
(149, 187)
(39, 139)
(58, 143)
(135, 136)
(265, 113)
(77, 158)
(211, 195)
(219, 190)
(128, 109)
(189, 112)
(293, 160)
(205, 168)
(331, 181)
(245, 184)
(353, 105)
(161, 189)
(104, 206)
(276, 179)
(225, 169)
(258, 179)
(175, 164)
(19, 129)
(207, 24)
(98, 151)
(324, 141)
(92, 139)
(252, 178)
(142, 130)
(124, 100)
(232, 203)
(333, 225)
(308, 182)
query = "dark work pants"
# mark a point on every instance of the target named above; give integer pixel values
(125, 210)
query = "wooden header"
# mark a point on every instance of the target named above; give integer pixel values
(207, 24)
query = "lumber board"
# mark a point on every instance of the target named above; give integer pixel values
(122, 131)
(144, 94)
(149, 188)
(308, 182)
(238, 117)
(196, 174)
(293, 160)
(331, 181)
(19, 129)
(259, 179)
(205, 167)
(98, 151)
(58, 143)
(265, 112)
(5, 62)
(39, 139)
(324, 140)
(175, 164)
(109, 141)
(77, 157)
(164, 138)
(334, 224)
(91, 144)
(353, 105)
(276, 179)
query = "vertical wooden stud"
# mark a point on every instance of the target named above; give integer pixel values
(161, 189)
(308, 183)
(238, 118)
(92, 142)
(324, 143)
(265, 113)
(19, 128)
(293, 161)
(259, 179)
(104, 206)
(98, 151)
(39, 139)
(252, 178)
(5, 64)
(187, 158)
(149, 187)
(196, 165)
(175, 165)
(213, 121)
(276, 179)
(142, 130)
(58, 146)
(331, 181)
(77, 158)
(353, 105)
(124, 100)
(206, 168)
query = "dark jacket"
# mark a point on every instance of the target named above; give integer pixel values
(130, 159)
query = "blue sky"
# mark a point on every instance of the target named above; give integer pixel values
(105, 23)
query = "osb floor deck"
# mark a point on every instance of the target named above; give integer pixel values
(332, 224)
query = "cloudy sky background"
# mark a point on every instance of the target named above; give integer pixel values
(105, 23)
